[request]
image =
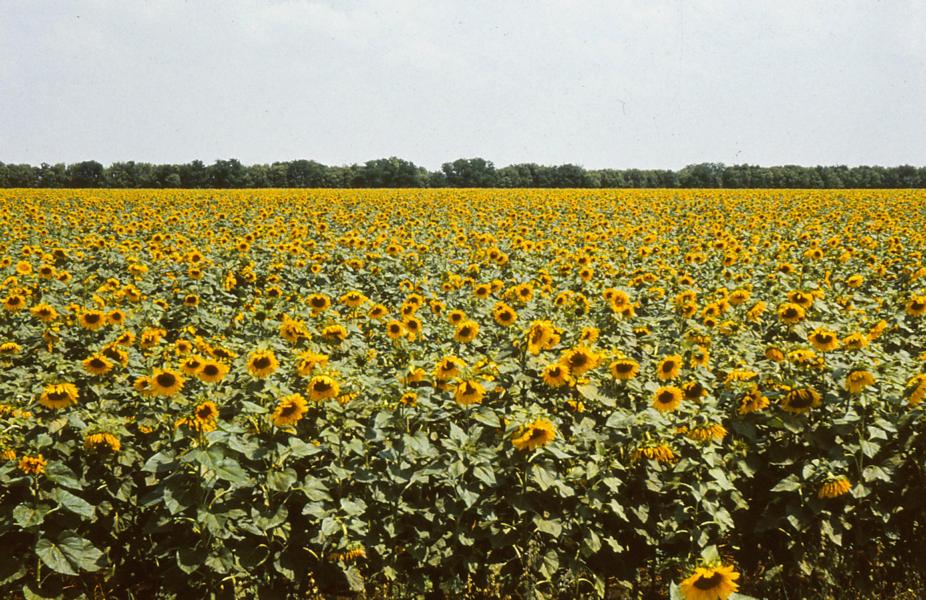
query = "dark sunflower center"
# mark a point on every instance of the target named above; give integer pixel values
(536, 433)
(92, 318)
(262, 362)
(916, 305)
(801, 399)
(288, 410)
(465, 331)
(204, 413)
(57, 396)
(166, 380)
(318, 302)
(97, 363)
(624, 367)
(708, 583)
(322, 386)
(211, 370)
(665, 397)
(790, 312)
(668, 367)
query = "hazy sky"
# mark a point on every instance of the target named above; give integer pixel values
(623, 84)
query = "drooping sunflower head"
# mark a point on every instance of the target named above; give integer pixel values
(534, 435)
(791, 313)
(469, 392)
(466, 331)
(800, 400)
(624, 369)
(322, 387)
(823, 339)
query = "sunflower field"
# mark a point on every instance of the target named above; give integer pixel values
(697, 394)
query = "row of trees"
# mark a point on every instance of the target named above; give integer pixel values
(464, 172)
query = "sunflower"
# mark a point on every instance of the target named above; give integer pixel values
(469, 392)
(800, 400)
(334, 333)
(91, 319)
(166, 382)
(541, 336)
(858, 380)
(294, 330)
(855, 341)
(466, 331)
(580, 360)
(308, 360)
(377, 311)
(289, 410)
(916, 306)
(823, 339)
(834, 487)
(456, 316)
(756, 311)
(204, 418)
(706, 433)
(319, 303)
(105, 442)
(395, 329)
(447, 368)
(44, 312)
(752, 401)
(504, 315)
(59, 395)
(413, 327)
(33, 465)
(353, 299)
(262, 363)
(667, 398)
(700, 357)
(322, 387)
(14, 302)
(409, 398)
(791, 313)
(624, 369)
(10, 349)
(916, 388)
(534, 435)
(211, 371)
(710, 583)
(774, 354)
(556, 375)
(661, 453)
(97, 365)
(803, 299)
(693, 390)
(669, 367)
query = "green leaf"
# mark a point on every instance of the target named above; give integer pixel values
(550, 526)
(73, 503)
(29, 516)
(69, 554)
(484, 474)
(788, 484)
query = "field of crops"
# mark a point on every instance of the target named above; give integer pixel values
(536, 393)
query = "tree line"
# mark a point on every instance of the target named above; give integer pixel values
(465, 172)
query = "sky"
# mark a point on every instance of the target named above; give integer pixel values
(647, 84)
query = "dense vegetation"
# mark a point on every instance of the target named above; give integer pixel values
(463, 173)
(526, 393)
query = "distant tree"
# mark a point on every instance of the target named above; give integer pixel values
(228, 174)
(86, 174)
(52, 176)
(470, 172)
(194, 175)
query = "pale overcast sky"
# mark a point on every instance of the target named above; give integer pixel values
(647, 84)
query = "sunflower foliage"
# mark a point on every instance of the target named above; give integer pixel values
(693, 394)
